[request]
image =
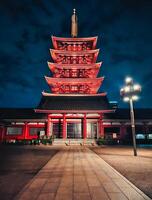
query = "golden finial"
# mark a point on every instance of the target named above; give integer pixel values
(74, 24)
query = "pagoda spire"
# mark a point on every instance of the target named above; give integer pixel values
(74, 24)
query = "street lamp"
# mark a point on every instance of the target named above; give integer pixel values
(129, 94)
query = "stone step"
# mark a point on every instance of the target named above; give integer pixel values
(74, 142)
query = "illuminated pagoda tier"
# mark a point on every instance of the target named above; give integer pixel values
(77, 85)
(74, 71)
(74, 107)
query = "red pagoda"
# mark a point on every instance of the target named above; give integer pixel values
(74, 107)
(73, 110)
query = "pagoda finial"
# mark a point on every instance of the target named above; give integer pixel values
(74, 24)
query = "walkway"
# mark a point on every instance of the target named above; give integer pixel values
(77, 173)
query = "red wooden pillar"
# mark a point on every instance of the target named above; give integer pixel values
(64, 127)
(3, 131)
(25, 130)
(49, 126)
(101, 128)
(84, 127)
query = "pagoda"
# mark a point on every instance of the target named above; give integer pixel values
(73, 106)
(73, 111)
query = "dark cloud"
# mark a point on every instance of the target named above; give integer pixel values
(9, 61)
(117, 58)
(124, 30)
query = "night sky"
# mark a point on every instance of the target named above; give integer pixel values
(123, 27)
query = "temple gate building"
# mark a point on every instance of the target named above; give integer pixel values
(73, 109)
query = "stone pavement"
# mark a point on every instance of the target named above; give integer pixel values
(77, 173)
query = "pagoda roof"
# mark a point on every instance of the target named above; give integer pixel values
(73, 53)
(74, 104)
(53, 66)
(83, 39)
(52, 94)
(22, 114)
(28, 114)
(63, 53)
(144, 114)
(72, 81)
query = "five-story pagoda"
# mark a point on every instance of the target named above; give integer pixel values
(74, 107)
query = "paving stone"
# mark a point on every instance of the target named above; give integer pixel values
(117, 196)
(46, 196)
(112, 174)
(56, 175)
(44, 174)
(27, 195)
(103, 178)
(63, 196)
(80, 172)
(111, 187)
(69, 172)
(37, 183)
(93, 181)
(121, 183)
(54, 179)
(132, 194)
(81, 187)
(98, 193)
(78, 178)
(81, 196)
(65, 190)
(67, 182)
(50, 187)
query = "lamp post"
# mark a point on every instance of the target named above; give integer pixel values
(129, 94)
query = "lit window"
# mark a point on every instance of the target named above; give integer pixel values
(14, 131)
(149, 136)
(37, 130)
(140, 136)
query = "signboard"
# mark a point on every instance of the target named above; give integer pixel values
(114, 135)
(42, 133)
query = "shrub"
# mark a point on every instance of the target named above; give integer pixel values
(100, 141)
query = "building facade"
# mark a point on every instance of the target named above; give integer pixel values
(25, 124)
